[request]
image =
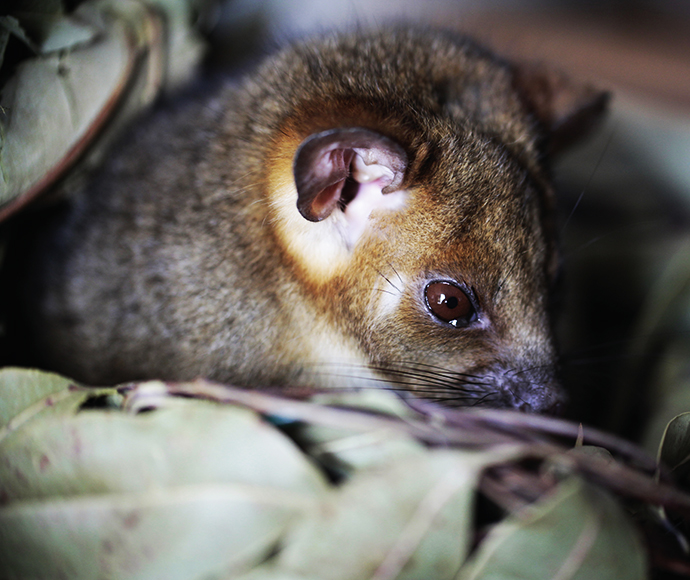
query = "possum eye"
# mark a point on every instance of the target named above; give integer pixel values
(449, 303)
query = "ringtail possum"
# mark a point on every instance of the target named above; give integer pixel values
(366, 209)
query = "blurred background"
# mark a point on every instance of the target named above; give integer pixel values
(624, 195)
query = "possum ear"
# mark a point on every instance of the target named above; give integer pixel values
(566, 109)
(325, 162)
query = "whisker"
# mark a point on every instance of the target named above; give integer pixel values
(451, 401)
(410, 386)
(402, 366)
(429, 378)
(387, 280)
(435, 369)
(483, 399)
(423, 380)
(402, 282)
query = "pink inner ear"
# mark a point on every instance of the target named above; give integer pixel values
(323, 163)
(326, 201)
(333, 165)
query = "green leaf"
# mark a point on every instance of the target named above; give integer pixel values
(348, 451)
(674, 449)
(65, 452)
(411, 518)
(22, 388)
(59, 32)
(580, 533)
(53, 105)
(179, 532)
(186, 490)
(594, 451)
(67, 105)
(13, 27)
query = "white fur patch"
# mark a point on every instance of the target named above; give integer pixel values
(324, 248)
(318, 246)
(388, 293)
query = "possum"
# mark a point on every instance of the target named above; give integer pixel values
(371, 209)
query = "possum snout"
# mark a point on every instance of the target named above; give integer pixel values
(532, 390)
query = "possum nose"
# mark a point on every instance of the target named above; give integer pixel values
(534, 389)
(548, 399)
(554, 409)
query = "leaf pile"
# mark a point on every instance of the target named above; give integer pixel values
(199, 480)
(69, 81)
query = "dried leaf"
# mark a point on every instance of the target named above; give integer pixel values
(594, 451)
(57, 106)
(67, 451)
(66, 33)
(578, 534)
(53, 104)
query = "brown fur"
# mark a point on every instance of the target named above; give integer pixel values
(184, 257)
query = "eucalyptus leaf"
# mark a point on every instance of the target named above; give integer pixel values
(408, 519)
(348, 451)
(68, 452)
(61, 110)
(53, 103)
(674, 449)
(594, 451)
(66, 33)
(180, 532)
(671, 396)
(14, 27)
(580, 533)
(267, 572)
(22, 388)
(186, 490)
(185, 47)
(373, 400)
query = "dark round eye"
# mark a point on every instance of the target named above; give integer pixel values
(449, 303)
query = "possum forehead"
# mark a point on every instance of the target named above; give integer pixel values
(479, 211)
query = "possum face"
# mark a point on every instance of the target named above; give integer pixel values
(424, 232)
(461, 280)
(442, 275)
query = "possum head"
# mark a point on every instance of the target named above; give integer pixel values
(429, 237)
